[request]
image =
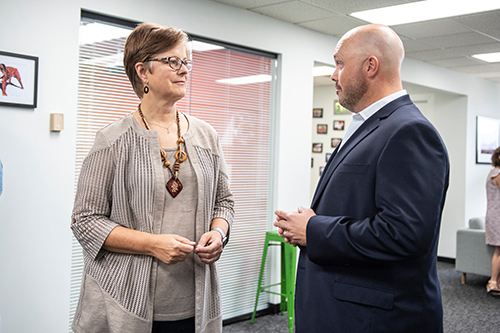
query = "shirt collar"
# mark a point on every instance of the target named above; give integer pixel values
(372, 109)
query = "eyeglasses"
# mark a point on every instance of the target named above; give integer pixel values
(175, 63)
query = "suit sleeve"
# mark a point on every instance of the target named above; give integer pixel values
(410, 183)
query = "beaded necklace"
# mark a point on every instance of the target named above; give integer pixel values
(174, 185)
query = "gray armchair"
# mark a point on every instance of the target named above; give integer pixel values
(473, 255)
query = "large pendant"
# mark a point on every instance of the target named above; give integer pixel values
(174, 186)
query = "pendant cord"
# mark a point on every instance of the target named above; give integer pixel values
(180, 155)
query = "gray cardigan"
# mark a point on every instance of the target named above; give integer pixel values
(122, 183)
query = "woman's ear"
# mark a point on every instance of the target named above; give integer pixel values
(141, 70)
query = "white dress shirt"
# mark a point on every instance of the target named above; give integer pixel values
(359, 118)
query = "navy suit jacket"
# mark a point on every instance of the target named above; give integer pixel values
(370, 260)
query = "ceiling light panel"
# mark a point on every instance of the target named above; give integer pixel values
(488, 57)
(425, 11)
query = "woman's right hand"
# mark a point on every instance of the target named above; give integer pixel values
(171, 249)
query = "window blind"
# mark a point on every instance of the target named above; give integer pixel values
(230, 89)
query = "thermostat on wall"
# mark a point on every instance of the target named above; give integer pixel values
(56, 122)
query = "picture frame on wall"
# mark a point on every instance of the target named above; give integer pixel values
(317, 147)
(19, 80)
(339, 109)
(317, 113)
(336, 142)
(322, 129)
(327, 156)
(487, 138)
(321, 168)
(338, 125)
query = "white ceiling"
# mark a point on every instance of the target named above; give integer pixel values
(446, 42)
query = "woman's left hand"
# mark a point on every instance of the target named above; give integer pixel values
(209, 248)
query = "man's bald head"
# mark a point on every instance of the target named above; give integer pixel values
(378, 40)
(368, 65)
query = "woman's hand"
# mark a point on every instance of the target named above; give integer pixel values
(209, 248)
(172, 249)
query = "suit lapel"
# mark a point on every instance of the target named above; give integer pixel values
(369, 126)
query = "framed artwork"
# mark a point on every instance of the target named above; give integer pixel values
(336, 142)
(321, 168)
(317, 113)
(327, 156)
(339, 109)
(338, 125)
(317, 147)
(322, 129)
(312, 162)
(487, 138)
(19, 80)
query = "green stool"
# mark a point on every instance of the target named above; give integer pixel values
(288, 264)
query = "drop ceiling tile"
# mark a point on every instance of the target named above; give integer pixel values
(417, 45)
(475, 49)
(447, 42)
(293, 11)
(348, 7)
(337, 25)
(480, 69)
(487, 23)
(434, 55)
(429, 29)
(457, 62)
(489, 75)
(248, 4)
(465, 39)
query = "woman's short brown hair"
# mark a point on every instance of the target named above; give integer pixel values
(495, 158)
(146, 41)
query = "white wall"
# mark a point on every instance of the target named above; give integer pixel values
(39, 166)
(324, 97)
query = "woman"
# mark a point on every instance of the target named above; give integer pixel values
(493, 221)
(153, 206)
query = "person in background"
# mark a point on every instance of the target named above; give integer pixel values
(492, 220)
(153, 207)
(369, 241)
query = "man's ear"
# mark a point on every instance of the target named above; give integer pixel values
(372, 66)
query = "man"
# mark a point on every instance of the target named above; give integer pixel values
(369, 242)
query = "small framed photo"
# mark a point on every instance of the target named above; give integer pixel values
(336, 142)
(338, 125)
(327, 156)
(321, 168)
(322, 129)
(339, 109)
(312, 162)
(19, 80)
(317, 147)
(487, 138)
(317, 113)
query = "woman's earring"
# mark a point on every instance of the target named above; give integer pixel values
(146, 89)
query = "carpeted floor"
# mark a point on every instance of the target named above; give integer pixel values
(467, 308)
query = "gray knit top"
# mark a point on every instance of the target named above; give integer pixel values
(122, 183)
